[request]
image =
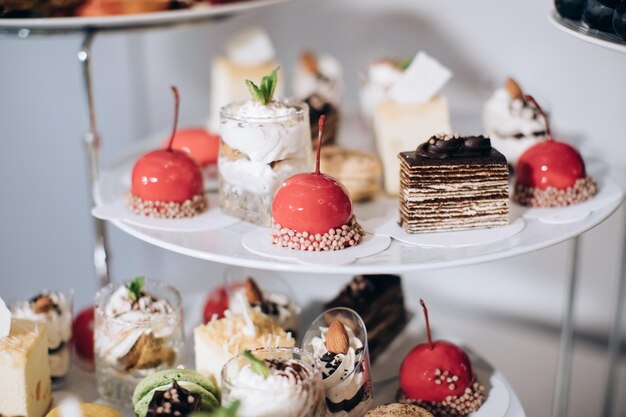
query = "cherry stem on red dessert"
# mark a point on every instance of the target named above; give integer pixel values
(530, 98)
(176, 110)
(320, 128)
(430, 339)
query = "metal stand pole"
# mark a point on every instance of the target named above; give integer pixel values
(92, 145)
(566, 349)
(615, 344)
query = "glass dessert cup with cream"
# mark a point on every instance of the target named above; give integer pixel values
(262, 145)
(135, 335)
(338, 338)
(55, 308)
(265, 292)
(292, 386)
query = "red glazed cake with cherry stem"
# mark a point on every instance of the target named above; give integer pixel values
(437, 375)
(167, 183)
(200, 144)
(313, 211)
(551, 173)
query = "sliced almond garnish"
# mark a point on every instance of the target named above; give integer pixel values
(43, 304)
(309, 61)
(513, 88)
(253, 292)
(337, 340)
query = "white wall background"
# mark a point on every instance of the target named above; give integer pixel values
(46, 232)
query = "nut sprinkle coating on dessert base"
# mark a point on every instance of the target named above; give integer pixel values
(470, 401)
(349, 234)
(581, 191)
(168, 210)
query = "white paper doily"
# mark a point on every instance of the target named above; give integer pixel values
(211, 219)
(608, 193)
(259, 242)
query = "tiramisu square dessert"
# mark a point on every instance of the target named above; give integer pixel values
(414, 110)
(26, 385)
(248, 55)
(453, 183)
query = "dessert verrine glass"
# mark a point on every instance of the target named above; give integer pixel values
(293, 387)
(263, 291)
(55, 308)
(262, 145)
(345, 369)
(135, 337)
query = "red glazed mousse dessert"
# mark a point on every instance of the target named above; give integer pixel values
(200, 144)
(167, 183)
(313, 212)
(551, 174)
(438, 376)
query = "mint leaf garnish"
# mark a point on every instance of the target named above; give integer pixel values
(403, 64)
(264, 92)
(258, 365)
(230, 411)
(135, 288)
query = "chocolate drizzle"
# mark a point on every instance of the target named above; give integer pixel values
(348, 404)
(444, 146)
(290, 369)
(174, 401)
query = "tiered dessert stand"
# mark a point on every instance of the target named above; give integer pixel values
(224, 245)
(614, 43)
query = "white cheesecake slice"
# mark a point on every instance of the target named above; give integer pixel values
(25, 385)
(228, 84)
(401, 127)
(219, 340)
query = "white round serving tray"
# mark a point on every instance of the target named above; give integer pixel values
(23, 26)
(225, 245)
(575, 29)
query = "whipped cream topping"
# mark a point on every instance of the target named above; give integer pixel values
(127, 320)
(343, 374)
(326, 81)
(258, 177)
(277, 306)
(284, 392)
(513, 124)
(266, 134)
(57, 314)
(250, 48)
(5, 319)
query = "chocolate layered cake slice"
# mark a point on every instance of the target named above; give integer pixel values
(453, 183)
(379, 300)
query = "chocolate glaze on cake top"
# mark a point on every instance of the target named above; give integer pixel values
(443, 149)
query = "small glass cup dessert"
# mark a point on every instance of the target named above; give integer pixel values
(270, 382)
(338, 338)
(265, 292)
(262, 145)
(55, 309)
(138, 330)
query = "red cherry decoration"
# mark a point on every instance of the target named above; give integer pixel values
(167, 175)
(82, 333)
(550, 163)
(312, 202)
(200, 144)
(217, 302)
(433, 371)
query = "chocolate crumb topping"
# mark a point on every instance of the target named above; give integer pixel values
(174, 401)
(443, 146)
